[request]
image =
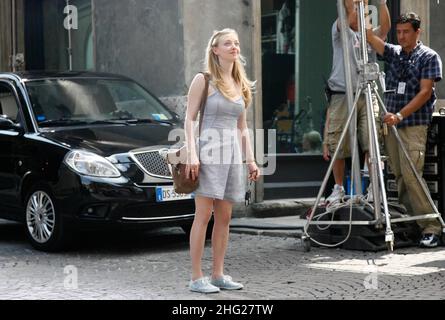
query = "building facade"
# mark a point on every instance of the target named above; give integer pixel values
(161, 44)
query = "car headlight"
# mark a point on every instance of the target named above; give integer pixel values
(91, 164)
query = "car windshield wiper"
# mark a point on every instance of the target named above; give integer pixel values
(150, 121)
(134, 120)
(109, 121)
(124, 121)
(61, 122)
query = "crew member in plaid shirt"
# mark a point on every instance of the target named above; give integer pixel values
(413, 70)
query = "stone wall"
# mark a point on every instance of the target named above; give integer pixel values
(143, 40)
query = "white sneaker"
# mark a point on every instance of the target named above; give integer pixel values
(203, 285)
(226, 283)
(337, 194)
(370, 194)
(429, 241)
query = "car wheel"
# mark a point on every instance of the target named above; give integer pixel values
(43, 222)
(187, 228)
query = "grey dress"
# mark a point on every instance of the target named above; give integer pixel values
(222, 172)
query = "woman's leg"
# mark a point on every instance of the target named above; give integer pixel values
(220, 235)
(203, 214)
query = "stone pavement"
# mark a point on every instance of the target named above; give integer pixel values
(155, 265)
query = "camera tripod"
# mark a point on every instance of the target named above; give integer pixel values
(369, 74)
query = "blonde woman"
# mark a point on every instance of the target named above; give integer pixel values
(216, 158)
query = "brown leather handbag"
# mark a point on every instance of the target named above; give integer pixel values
(178, 158)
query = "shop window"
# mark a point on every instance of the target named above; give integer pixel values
(297, 57)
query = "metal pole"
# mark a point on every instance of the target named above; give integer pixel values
(344, 28)
(363, 43)
(93, 23)
(297, 58)
(70, 49)
(13, 35)
(374, 154)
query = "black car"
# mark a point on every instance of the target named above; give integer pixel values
(81, 150)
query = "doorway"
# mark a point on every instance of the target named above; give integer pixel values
(297, 57)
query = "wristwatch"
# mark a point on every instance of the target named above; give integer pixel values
(399, 116)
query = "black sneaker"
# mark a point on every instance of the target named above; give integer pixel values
(429, 240)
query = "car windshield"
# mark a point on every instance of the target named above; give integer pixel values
(79, 101)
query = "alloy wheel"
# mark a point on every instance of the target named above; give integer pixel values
(40, 216)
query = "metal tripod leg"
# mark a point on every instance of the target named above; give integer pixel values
(413, 168)
(376, 170)
(373, 156)
(331, 165)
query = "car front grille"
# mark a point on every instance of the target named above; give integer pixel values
(153, 163)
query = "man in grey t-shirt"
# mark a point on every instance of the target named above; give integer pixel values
(337, 113)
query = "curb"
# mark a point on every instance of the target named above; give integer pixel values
(273, 208)
(268, 233)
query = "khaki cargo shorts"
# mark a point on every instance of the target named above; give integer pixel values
(338, 115)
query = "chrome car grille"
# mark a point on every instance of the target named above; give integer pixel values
(153, 163)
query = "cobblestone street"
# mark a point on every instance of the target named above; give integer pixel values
(155, 265)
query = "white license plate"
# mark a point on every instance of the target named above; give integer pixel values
(164, 194)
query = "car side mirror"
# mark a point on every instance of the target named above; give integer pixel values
(8, 124)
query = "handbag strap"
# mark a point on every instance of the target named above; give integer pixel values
(203, 100)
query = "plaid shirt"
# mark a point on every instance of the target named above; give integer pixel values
(421, 63)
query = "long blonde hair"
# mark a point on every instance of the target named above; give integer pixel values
(213, 67)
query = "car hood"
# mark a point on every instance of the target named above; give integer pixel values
(106, 140)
